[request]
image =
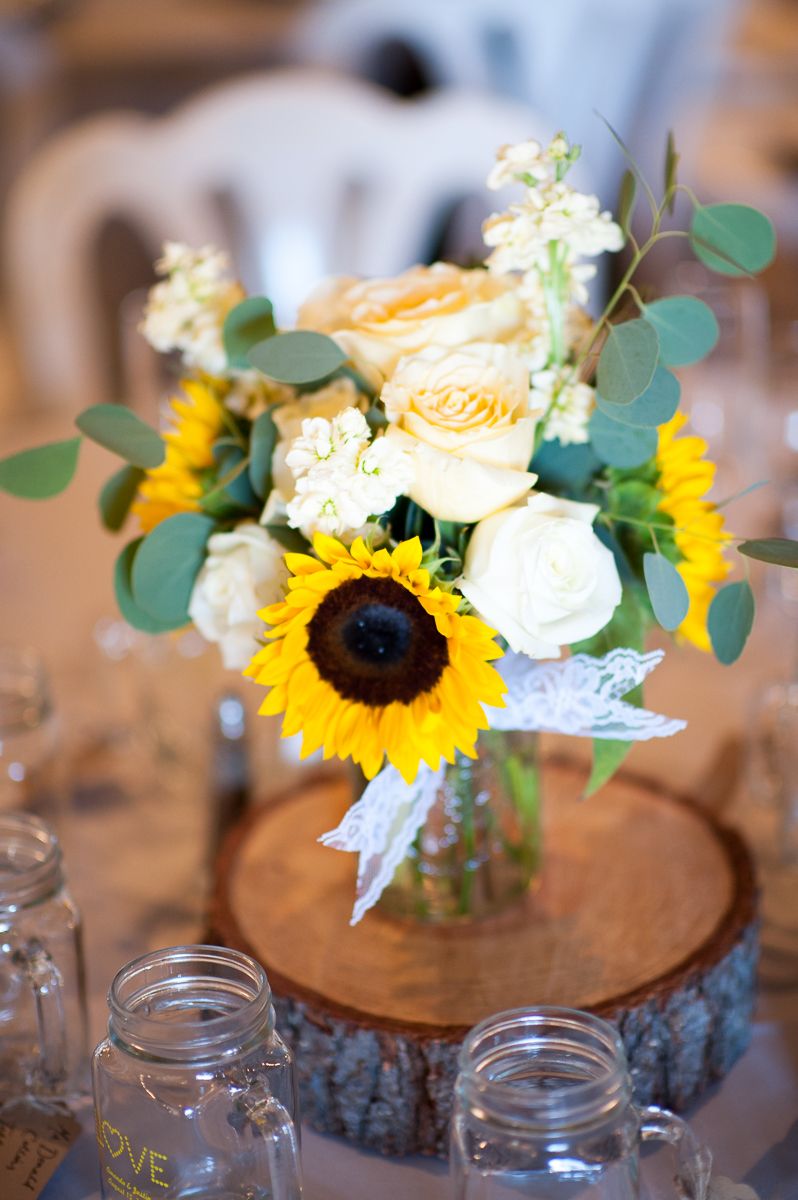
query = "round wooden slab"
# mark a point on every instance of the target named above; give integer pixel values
(645, 914)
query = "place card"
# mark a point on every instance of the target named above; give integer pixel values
(34, 1140)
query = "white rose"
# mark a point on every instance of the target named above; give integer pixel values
(244, 572)
(377, 321)
(464, 417)
(539, 575)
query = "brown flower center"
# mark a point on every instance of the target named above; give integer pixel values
(372, 640)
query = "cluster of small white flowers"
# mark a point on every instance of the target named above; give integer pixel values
(342, 476)
(567, 403)
(551, 211)
(186, 310)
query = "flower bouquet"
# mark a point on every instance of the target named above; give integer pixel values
(396, 516)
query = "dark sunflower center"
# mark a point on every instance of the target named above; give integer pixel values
(372, 640)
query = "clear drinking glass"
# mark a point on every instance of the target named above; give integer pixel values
(28, 728)
(543, 1108)
(42, 996)
(195, 1092)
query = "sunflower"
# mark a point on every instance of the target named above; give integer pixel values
(685, 477)
(369, 660)
(175, 486)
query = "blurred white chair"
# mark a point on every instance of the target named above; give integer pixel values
(640, 63)
(324, 175)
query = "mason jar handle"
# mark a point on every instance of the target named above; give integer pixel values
(694, 1159)
(47, 985)
(274, 1123)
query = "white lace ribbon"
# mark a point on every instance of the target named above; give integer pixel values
(580, 696)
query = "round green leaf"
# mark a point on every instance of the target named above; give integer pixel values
(121, 431)
(298, 357)
(262, 441)
(657, 404)
(167, 564)
(686, 327)
(250, 322)
(118, 495)
(732, 239)
(627, 361)
(620, 445)
(731, 615)
(781, 551)
(130, 610)
(666, 590)
(41, 472)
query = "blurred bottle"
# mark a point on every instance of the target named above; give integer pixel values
(29, 733)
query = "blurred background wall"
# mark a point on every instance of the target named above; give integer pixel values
(722, 73)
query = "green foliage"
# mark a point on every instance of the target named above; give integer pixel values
(671, 165)
(626, 201)
(731, 616)
(117, 496)
(299, 357)
(130, 609)
(166, 565)
(667, 592)
(686, 327)
(732, 239)
(121, 431)
(657, 404)
(229, 493)
(250, 322)
(290, 539)
(627, 627)
(41, 472)
(262, 441)
(608, 755)
(620, 445)
(781, 551)
(564, 468)
(627, 361)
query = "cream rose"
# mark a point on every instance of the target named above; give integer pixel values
(377, 321)
(539, 575)
(244, 571)
(463, 415)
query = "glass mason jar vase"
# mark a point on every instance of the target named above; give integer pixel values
(480, 847)
(195, 1093)
(42, 994)
(543, 1108)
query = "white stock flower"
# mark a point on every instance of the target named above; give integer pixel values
(567, 403)
(514, 162)
(243, 572)
(186, 310)
(342, 477)
(464, 417)
(327, 402)
(555, 212)
(539, 575)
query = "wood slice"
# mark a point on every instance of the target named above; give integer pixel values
(645, 914)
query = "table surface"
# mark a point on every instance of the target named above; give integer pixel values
(134, 773)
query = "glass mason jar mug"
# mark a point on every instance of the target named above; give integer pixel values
(42, 994)
(195, 1093)
(543, 1108)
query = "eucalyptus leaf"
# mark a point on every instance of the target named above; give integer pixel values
(262, 441)
(117, 496)
(618, 445)
(132, 612)
(559, 466)
(41, 472)
(731, 616)
(121, 431)
(626, 201)
(732, 239)
(167, 564)
(781, 551)
(657, 404)
(666, 591)
(686, 327)
(250, 322)
(627, 362)
(298, 357)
